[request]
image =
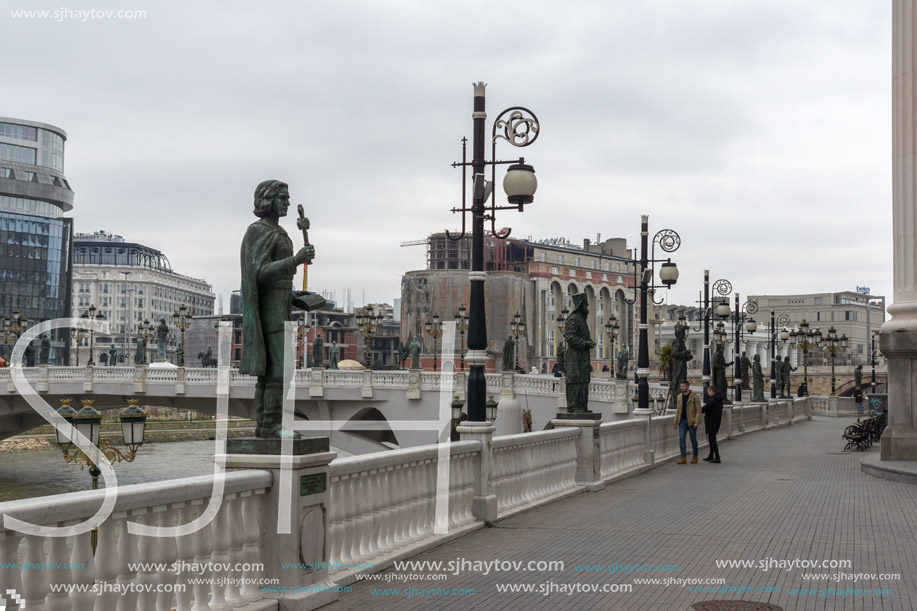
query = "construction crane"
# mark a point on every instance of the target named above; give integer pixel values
(414, 243)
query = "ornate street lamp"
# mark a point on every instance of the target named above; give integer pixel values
(302, 327)
(805, 339)
(559, 338)
(611, 333)
(181, 318)
(91, 317)
(13, 328)
(461, 323)
(517, 326)
(369, 322)
(833, 346)
(750, 325)
(669, 241)
(784, 336)
(519, 127)
(434, 329)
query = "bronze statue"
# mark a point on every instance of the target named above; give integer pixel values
(140, 354)
(758, 375)
(414, 349)
(719, 365)
(112, 356)
(207, 359)
(268, 267)
(162, 340)
(786, 368)
(579, 344)
(623, 356)
(333, 356)
(318, 351)
(509, 354)
(744, 367)
(680, 357)
(858, 376)
(29, 356)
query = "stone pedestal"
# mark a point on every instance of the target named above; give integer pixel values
(42, 385)
(140, 378)
(367, 390)
(509, 410)
(727, 422)
(413, 391)
(307, 507)
(649, 454)
(588, 452)
(562, 396)
(180, 381)
(484, 501)
(622, 400)
(899, 441)
(87, 381)
(316, 383)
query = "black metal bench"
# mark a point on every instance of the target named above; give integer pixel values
(863, 434)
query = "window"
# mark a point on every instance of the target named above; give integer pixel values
(850, 315)
(818, 301)
(606, 266)
(560, 259)
(576, 262)
(554, 270)
(604, 277)
(6, 173)
(19, 154)
(20, 132)
(543, 256)
(589, 275)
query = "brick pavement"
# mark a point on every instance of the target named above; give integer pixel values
(788, 493)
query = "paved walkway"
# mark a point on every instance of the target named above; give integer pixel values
(785, 494)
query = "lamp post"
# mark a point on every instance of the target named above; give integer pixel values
(669, 241)
(88, 421)
(302, 327)
(833, 346)
(144, 329)
(611, 332)
(517, 326)
(750, 325)
(723, 288)
(13, 328)
(127, 312)
(434, 329)
(872, 359)
(784, 335)
(519, 127)
(805, 339)
(559, 338)
(181, 318)
(369, 322)
(461, 323)
(91, 317)
(77, 333)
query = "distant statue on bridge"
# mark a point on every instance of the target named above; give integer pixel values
(509, 354)
(579, 346)
(140, 354)
(333, 356)
(858, 376)
(623, 357)
(207, 359)
(744, 367)
(268, 267)
(162, 340)
(786, 369)
(318, 351)
(112, 356)
(719, 366)
(561, 358)
(402, 354)
(414, 348)
(680, 356)
(29, 355)
(758, 375)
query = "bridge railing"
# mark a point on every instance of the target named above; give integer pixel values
(531, 467)
(231, 538)
(621, 445)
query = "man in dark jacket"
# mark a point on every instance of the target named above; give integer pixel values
(713, 414)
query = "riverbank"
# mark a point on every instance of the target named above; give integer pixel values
(43, 439)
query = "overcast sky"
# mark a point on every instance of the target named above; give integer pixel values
(759, 130)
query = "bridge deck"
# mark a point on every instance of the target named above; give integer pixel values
(785, 494)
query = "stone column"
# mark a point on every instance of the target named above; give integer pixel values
(484, 501)
(588, 451)
(622, 398)
(509, 410)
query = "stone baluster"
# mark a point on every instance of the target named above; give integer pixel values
(374, 481)
(184, 547)
(202, 539)
(168, 554)
(386, 540)
(236, 556)
(34, 583)
(10, 579)
(82, 572)
(399, 503)
(363, 514)
(351, 547)
(146, 577)
(251, 505)
(335, 520)
(128, 555)
(57, 557)
(220, 555)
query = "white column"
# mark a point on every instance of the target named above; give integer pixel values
(898, 340)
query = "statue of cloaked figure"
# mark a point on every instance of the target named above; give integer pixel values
(268, 267)
(758, 375)
(333, 357)
(579, 344)
(318, 351)
(29, 356)
(858, 376)
(623, 357)
(719, 366)
(140, 355)
(680, 357)
(414, 349)
(112, 356)
(162, 340)
(744, 367)
(509, 354)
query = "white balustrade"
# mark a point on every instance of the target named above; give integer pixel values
(160, 375)
(335, 377)
(113, 374)
(228, 539)
(66, 374)
(384, 501)
(201, 375)
(621, 445)
(665, 437)
(532, 466)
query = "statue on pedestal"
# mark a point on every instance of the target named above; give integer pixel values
(333, 356)
(858, 376)
(758, 375)
(162, 340)
(28, 355)
(623, 356)
(268, 267)
(744, 367)
(509, 354)
(414, 349)
(719, 366)
(112, 355)
(680, 357)
(140, 355)
(786, 369)
(579, 346)
(318, 351)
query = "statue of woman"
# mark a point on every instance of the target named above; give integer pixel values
(758, 380)
(579, 346)
(318, 350)
(719, 372)
(509, 354)
(415, 353)
(680, 357)
(162, 340)
(333, 357)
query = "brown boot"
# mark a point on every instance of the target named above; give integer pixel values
(682, 461)
(694, 459)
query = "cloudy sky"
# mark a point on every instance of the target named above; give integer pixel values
(759, 130)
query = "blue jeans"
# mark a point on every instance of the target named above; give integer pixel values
(684, 429)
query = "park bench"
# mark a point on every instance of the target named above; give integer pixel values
(862, 435)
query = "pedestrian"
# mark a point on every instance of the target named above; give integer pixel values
(858, 398)
(713, 415)
(687, 419)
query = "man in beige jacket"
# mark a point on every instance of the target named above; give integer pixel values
(687, 419)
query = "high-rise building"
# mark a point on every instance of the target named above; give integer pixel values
(35, 238)
(131, 283)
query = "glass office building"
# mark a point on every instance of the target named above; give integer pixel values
(36, 241)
